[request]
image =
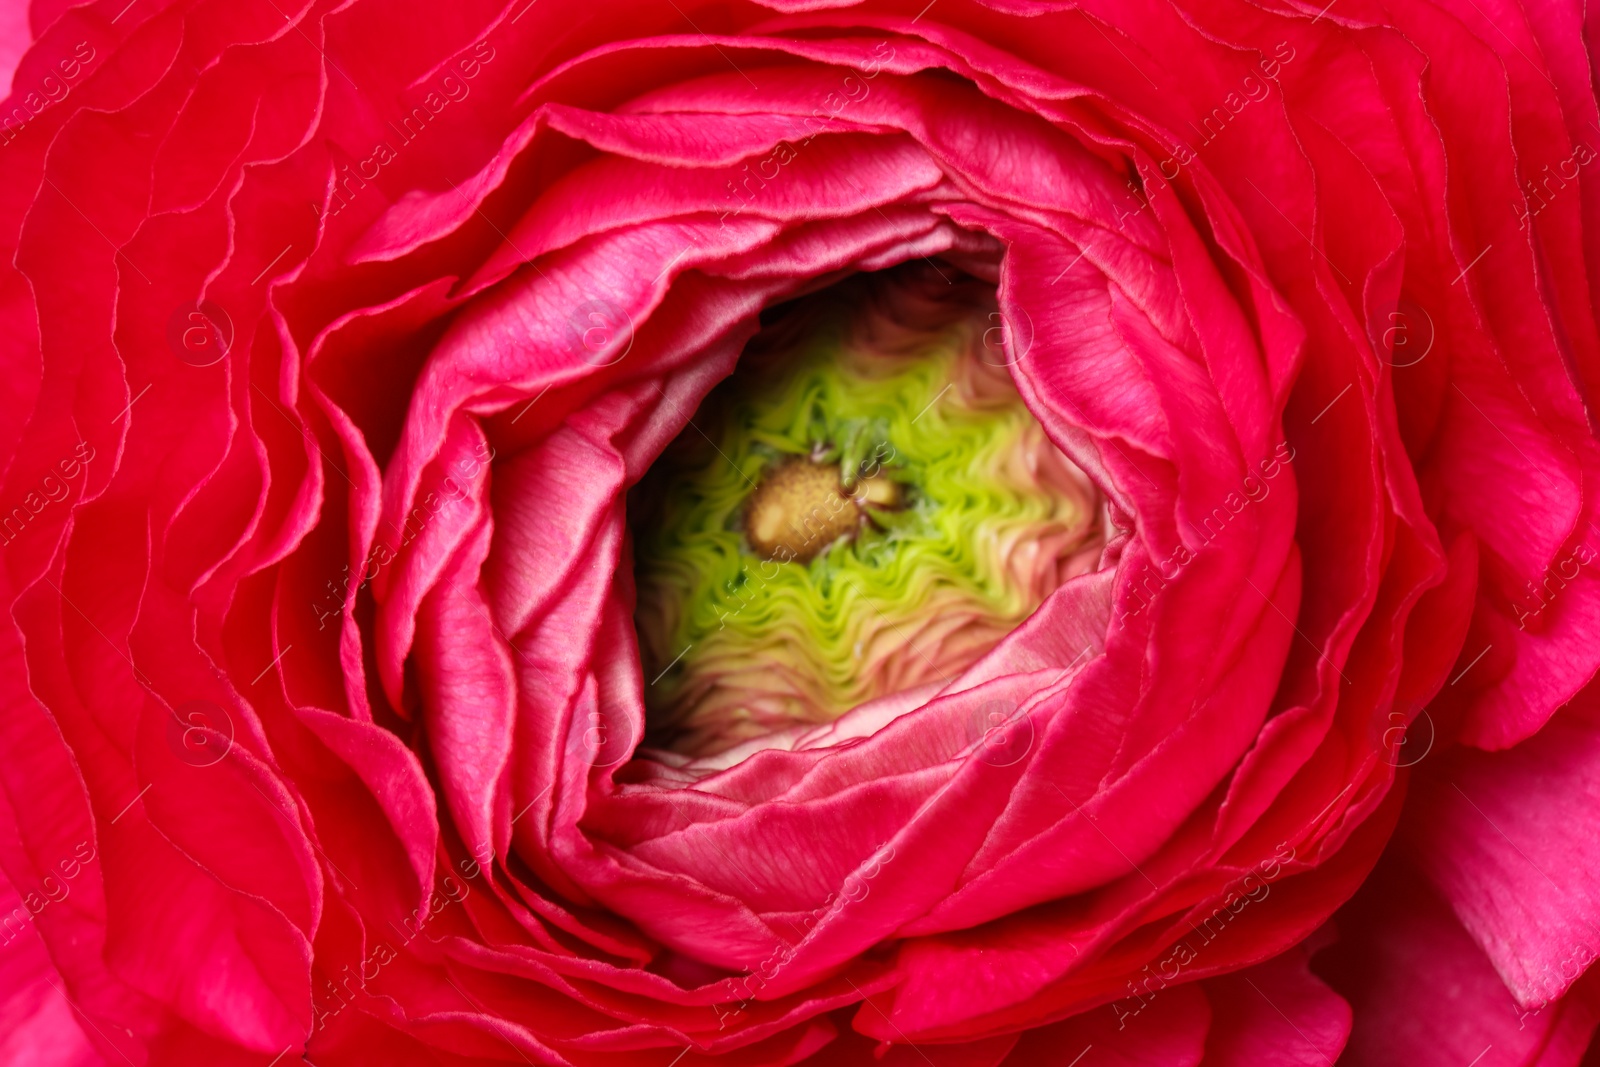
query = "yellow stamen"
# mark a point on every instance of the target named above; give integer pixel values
(800, 509)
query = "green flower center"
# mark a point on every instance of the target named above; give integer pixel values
(845, 519)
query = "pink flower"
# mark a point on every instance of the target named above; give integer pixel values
(337, 335)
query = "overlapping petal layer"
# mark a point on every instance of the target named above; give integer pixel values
(318, 433)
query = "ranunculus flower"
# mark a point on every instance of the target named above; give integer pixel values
(664, 534)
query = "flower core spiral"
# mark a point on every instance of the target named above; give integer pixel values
(865, 507)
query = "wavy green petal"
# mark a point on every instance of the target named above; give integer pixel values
(991, 514)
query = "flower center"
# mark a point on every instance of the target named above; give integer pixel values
(865, 507)
(802, 507)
